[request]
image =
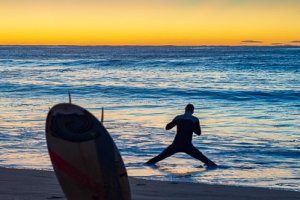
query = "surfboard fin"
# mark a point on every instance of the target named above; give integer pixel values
(70, 98)
(102, 115)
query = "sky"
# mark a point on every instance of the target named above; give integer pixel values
(149, 22)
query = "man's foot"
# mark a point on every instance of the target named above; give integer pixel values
(211, 165)
(149, 162)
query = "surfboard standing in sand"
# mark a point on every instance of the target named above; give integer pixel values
(85, 158)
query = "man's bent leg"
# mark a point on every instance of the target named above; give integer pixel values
(194, 152)
(170, 150)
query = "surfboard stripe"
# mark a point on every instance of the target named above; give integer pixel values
(76, 174)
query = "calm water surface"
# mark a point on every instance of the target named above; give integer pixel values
(247, 98)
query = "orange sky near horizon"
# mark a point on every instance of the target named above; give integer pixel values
(156, 22)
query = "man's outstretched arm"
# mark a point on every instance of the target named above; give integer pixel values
(197, 128)
(171, 124)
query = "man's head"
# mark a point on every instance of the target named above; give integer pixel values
(189, 108)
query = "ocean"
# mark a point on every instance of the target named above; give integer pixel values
(247, 100)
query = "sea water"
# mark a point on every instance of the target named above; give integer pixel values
(247, 100)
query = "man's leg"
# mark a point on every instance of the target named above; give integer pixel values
(194, 152)
(170, 150)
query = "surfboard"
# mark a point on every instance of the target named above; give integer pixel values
(86, 161)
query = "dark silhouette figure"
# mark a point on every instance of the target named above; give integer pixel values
(186, 124)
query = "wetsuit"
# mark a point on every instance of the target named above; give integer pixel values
(187, 124)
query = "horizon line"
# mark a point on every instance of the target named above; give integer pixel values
(149, 45)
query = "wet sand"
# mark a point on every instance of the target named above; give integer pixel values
(19, 184)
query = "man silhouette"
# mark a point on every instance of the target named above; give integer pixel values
(187, 124)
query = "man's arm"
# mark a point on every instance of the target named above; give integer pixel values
(171, 124)
(197, 128)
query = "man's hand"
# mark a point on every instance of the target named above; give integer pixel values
(171, 124)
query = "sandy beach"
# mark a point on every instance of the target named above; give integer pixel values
(19, 184)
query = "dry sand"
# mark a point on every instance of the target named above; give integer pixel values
(17, 184)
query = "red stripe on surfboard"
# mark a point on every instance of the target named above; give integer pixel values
(76, 174)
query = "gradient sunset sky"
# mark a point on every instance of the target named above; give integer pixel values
(150, 22)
